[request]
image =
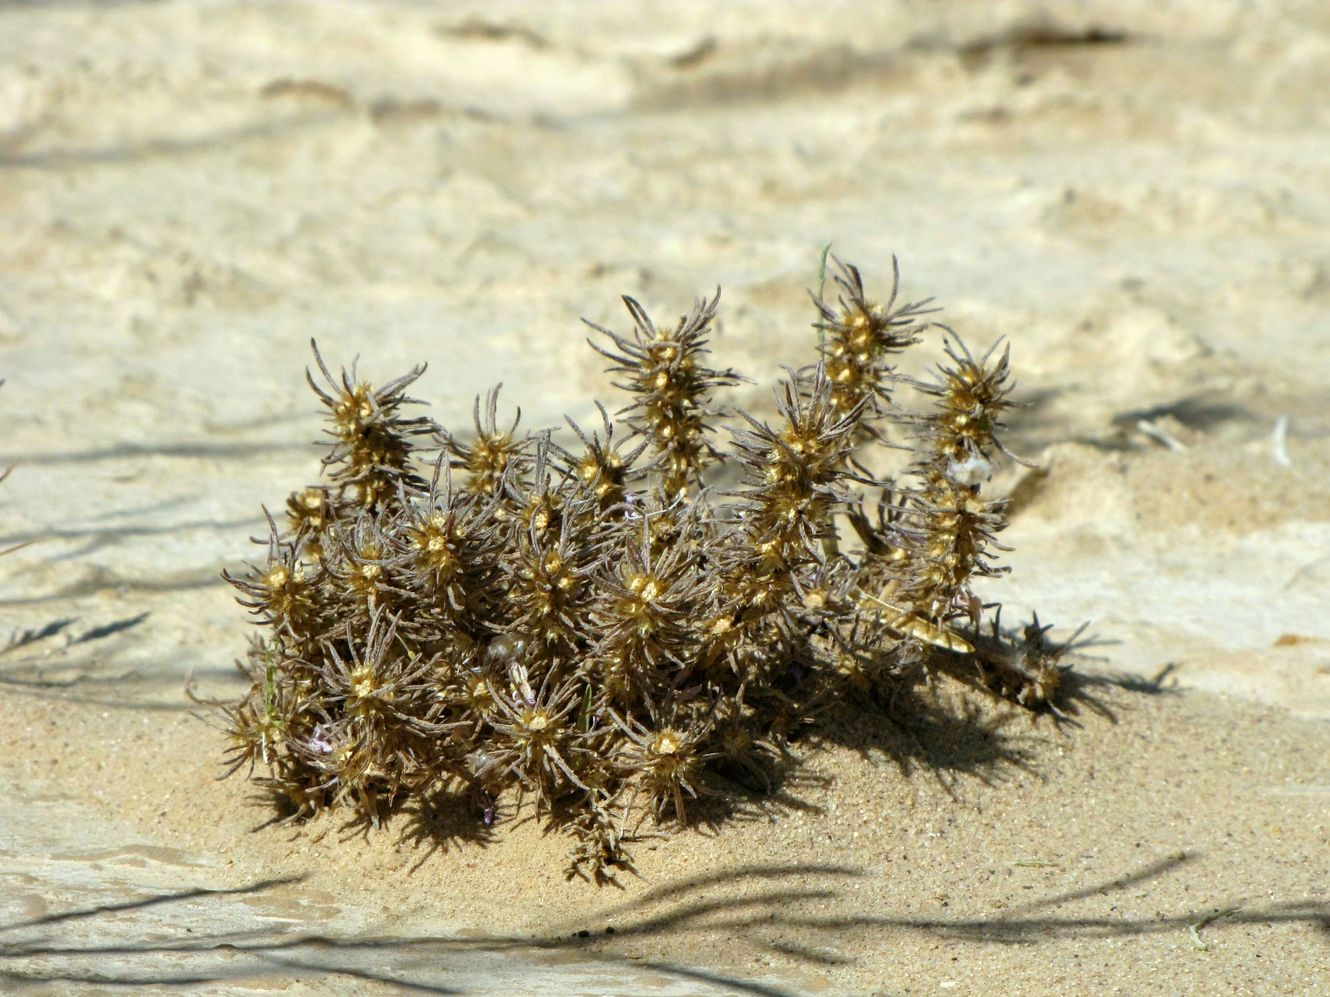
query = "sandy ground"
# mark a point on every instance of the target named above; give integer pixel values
(1137, 195)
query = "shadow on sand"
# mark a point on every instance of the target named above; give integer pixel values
(768, 908)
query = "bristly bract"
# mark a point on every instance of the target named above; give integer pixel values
(603, 631)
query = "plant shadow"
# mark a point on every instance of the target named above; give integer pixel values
(802, 912)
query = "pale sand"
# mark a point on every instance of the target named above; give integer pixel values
(1135, 194)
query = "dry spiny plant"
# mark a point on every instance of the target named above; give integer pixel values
(604, 633)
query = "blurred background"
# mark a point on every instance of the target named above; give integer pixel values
(1136, 195)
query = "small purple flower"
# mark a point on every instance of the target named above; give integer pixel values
(631, 514)
(318, 742)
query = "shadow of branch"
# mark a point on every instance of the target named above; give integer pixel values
(145, 902)
(783, 915)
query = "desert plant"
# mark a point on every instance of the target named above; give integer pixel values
(603, 630)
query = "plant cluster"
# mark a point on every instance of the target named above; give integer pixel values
(597, 626)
